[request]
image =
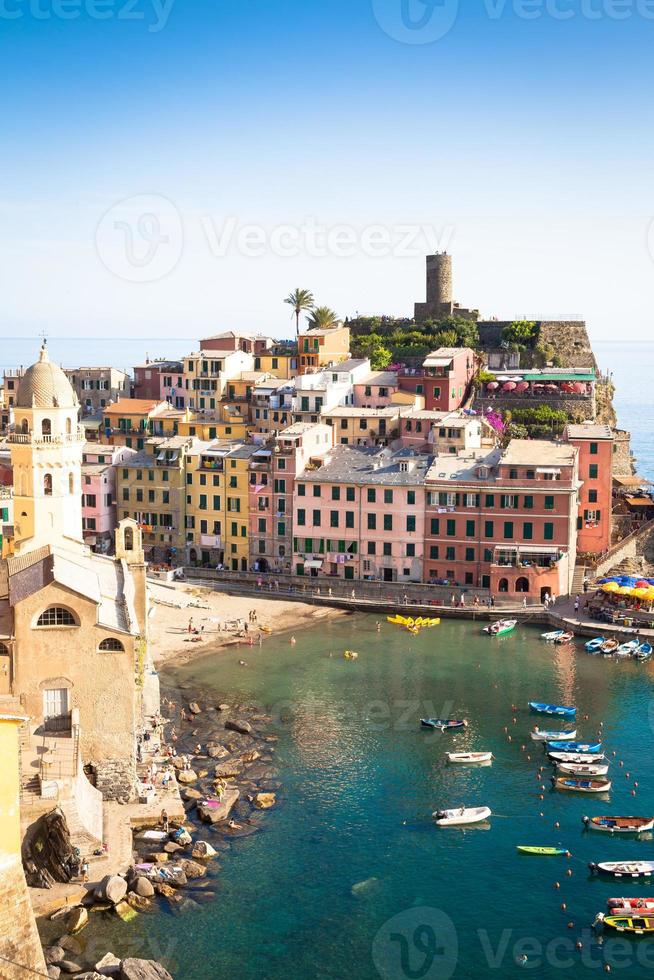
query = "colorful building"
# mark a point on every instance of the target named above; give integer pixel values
(279, 359)
(595, 444)
(131, 421)
(364, 426)
(207, 373)
(444, 379)
(317, 347)
(99, 513)
(96, 387)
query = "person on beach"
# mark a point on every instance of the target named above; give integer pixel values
(524, 602)
(163, 820)
(353, 594)
(190, 625)
(293, 641)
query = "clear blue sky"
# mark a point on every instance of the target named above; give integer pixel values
(523, 144)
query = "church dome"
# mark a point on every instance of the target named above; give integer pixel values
(44, 385)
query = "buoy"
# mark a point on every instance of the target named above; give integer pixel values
(571, 925)
(541, 797)
(541, 813)
(621, 763)
(563, 906)
(505, 728)
(579, 945)
(522, 748)
(542, 787)
(607, 968)
(557, 824)
(515, 721)
(626, 775)
(569, 872)
(635, 784)
(528, 758)
(568, 854)
(557, 884)
(614, 753)
(509, 738)
(633, 792)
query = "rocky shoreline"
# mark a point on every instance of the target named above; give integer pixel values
(222, 755)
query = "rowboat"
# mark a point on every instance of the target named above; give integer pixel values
(460, 816)
(638, 925)
(644, 652)
(593, 645)
(560, 710)
(619, 825)
(551, 636)
(577, 758)
(624, 869)
(443, 724)
(541, 735)
(565, 638)
(609, 646)
(544, 851)
(586, 748)
(572, 785)
(582, 769)
(470, 758)
(627, 649)
(501, 627)
(629, 903)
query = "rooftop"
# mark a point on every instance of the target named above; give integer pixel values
(379, 378)
(538, 452)
(137, 406)
(463, 467)
(589, 430)
(355, 465)
(297, 429)
(349, 411)
(344, 367)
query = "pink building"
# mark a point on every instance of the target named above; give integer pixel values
(376, 390)
(595, 444)
(360, 515)
(442, 432)
(444, 378)
(160, 381)
(99, 515)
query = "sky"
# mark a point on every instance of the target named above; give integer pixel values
(178, 166)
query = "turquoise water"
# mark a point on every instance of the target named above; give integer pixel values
(360, 780)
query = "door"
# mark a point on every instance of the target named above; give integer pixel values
(5, 670)
(388, 575)
(55, 708)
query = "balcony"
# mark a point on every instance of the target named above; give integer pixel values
(211, 541)
(522, 556)
(30, 438)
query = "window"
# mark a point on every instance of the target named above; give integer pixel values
(372, 522)
(317, 490)
(592, 496)
(470, 554)
(513, 474)
(333, 518)
(508, 501)
(47, 484)
(490, 499)
(301, 489)
(388, 496)
(56, 616)
(411, 523)
(115, 646)
(450, 553)
(488, 529)
(411, 551)
(470, 529)
(388, 549)
(528, 502)
(372, 548)
(349, 493)
(472, 500)
(262, 525)
(411, 497)
(433, 551)
(301, 517)
(281, 528)
(451, 528)
(549, 503)
(527, 530)
(593, 449)
(548, 531)
(315, 518)
(349, 518)
(435, 525)
(336, 493)
(508, 530)
(593, 471)
(372, 495)
(437, 392)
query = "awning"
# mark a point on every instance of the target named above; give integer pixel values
(313, 563)
(631, 481)
(639, 501)
(547, 469)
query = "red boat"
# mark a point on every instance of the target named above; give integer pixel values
(628, 904)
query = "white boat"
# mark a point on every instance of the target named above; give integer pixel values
(624, 869)
(582, 768)
(577, 758)
(541, 735)
(627, 649)
(462, 815)
(469, 758)
(552, 635)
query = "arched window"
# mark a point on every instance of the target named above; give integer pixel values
(282, 551)
(129, 539)
(193, 555)
(47, 484)
(25, 426)
(503, 585)
(46, 427)
(112, 644)
(56, 616)
(522, 585)
(71, 483)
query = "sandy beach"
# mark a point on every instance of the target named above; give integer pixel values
(213, 617)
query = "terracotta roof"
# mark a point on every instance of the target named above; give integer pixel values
(134, 405)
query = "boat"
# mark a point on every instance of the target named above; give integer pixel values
(593, 645)
(627, 649)
(396, 620)
(565, 638)
(560, 710)
(443, 724)
(576, 785)
(619, 825)
(501, 627)
(469, 758)
(461, 816)
(623, 869)
(541, 735)
(609, 646)
(351, 655)
(644, 652)
(576, 758)
(544, 851)
(629, 903)
(582, 769)
(638, 925)
(551, 636)
(585, 748)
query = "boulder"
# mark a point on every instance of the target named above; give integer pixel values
(90, 975)
(191, 794)
(250, 756)
(217, 751)
(217, 812)
(54, 972)
(263, 801)
(223, 707)
(72, 945)
(159, 857)
(238, 725)
(69, 966)
(77, 919)
(52, 954)
(133, 969)
(202, 849)
(173, 896)
(112, 889)
(171, 847)
(108, 966)
(143, 887)
(192, 869)
(137, 902)
(225, 770)
(186, 776)
(194, 708)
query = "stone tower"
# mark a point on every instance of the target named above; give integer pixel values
(439, 302)
(129, 549)
(46, 455)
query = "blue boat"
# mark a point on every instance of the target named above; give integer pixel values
(560, 710)
(644, 652)
(593, 645)
(443, 724)
(585, 748)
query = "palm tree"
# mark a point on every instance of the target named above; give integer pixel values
(323, 318)
(300, 299)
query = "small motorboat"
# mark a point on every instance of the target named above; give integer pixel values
(627, 649)
(560, 710)
(565, 638)
(543, 851)
(637, 925)
(594, 645)
(609, 646)
(571, 784)
(644, 652)
(623, 869)
(461, 816)
(541, 735)
(576, 758)
(501, 627)
(585, 748)
(444, 724)
(351, 655)
(552, 636)
(629, 903)
(582, 769)
(619, 825)
(469, 758)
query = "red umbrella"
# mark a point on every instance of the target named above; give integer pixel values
(509, 386)
(566, 386)
(580, 387)
(492, 385)
(552, 387)
(523, 386)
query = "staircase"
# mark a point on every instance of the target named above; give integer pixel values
(578, 579)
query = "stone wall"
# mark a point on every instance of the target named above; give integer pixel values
(570, 340)
(580, 407)
(116, 778)
(623, 461)
(19, 939)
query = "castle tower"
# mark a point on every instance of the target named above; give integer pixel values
(46, 455)
(128, 539)
(439, 279)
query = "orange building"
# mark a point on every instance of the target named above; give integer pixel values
(595, 444)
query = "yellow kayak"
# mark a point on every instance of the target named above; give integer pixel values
(396, 620)
(351, 655)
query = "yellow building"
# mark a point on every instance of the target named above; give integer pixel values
(226, 422)
(364, 426)
(20, 948)
(281, 361)
(322, 346)
(131, 421)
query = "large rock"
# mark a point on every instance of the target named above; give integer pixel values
(108, 966)
(202, 849)
(77, 919)
(192, 869)
(263, 801)
(238, 725)
(133, 969)
(220, 811)
(226, 770)
(112, 889)
(171, 847)
(54, 972)
(191, 794)
(69, 966)
(72, 945)
(143, 887)
(217, 751)
(186, 776)
(53, 954)
(136, 902)
(251, 756)
(194, 708)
